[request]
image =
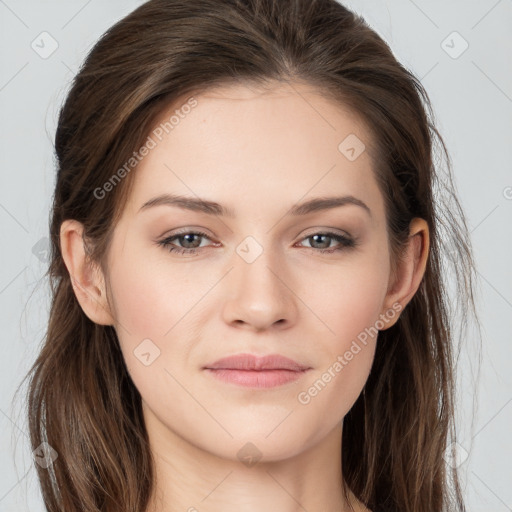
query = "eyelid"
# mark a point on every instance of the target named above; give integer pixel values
(336, 231)
(186, 230)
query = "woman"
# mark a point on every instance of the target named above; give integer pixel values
(249, 308)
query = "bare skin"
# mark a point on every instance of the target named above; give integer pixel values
(257, 153)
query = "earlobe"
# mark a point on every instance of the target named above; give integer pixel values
(87, 280)
(411, 268)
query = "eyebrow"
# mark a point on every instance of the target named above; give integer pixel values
(214, 208)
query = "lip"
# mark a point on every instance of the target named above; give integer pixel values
(258, 372)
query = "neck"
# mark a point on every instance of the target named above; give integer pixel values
(189, 478)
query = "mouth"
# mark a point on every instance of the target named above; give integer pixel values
(257, 372)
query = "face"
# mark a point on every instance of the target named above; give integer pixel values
(263, 278)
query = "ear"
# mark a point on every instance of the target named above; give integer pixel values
(410, 269)
(87, 279)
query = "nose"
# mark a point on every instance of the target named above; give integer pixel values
(259, 294)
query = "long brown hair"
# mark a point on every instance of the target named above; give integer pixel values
(81, 400)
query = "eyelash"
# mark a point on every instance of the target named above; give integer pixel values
(345, 242)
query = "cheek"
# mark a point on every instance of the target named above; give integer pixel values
(160, 313)
(348, 352)
(349, 301)
(349, 298)
(139, 300)
(152, 313)
(150, 296)
(149, 304)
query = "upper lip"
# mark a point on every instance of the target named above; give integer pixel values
(251, 362)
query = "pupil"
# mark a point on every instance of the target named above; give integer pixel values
(325, 236)
(188, 238)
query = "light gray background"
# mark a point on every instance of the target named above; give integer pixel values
(472, 99)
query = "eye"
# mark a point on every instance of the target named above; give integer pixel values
(189, 240)
(324, 240)
(189, 243)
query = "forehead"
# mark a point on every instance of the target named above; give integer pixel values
(242, 144)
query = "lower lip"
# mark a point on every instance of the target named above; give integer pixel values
(257, 378)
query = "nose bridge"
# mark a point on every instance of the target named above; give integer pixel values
(258, 294)
(257, 263)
